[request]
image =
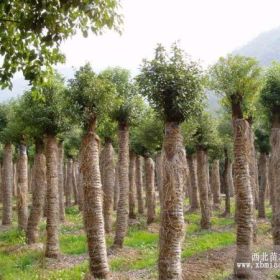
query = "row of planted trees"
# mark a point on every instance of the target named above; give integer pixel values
(157, 124)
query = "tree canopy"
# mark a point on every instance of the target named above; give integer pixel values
(45, 115)
(270, 94)
(172, 83)
(89, 96)
(31, 32)
(238, 79)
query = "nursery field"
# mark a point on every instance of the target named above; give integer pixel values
(206, 254)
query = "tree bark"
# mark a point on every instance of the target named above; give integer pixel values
(203, 188)
(244, 199)
(226, 182)
(210, 194)
(75, 182)
(253, 177)
(15, 179)
(38, 194)
(215, 183)
(122, 210)
(150, 190)
(22, 188)
(230, 179)
(69, 183)
(116, 187)
(275, 183)
(159, 174)
(108, 185)
(52, 245)
(132, 185)
(93, 209)
(139, 185)
(193, 179)
(1, 186)
(7, 184)
(263, 173)
(60, 181)
(172, 226)
(80, 185)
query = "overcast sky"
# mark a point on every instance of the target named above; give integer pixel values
(206, 29)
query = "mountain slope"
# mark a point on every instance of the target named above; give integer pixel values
(265, 47)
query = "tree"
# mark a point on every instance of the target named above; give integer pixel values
(172, 84)
(46, 117)
(237, 78)
(270, 98)
(203, 138)
(124, 113)
(90, 96)
(146, 141)
(15, 133)
(32, 32)
(107, 129)
(27, 112)
(7, 174)
(225, 131)
(263, 146)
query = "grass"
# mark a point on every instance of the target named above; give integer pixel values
(141, 239)
(73, 244)
(207, 240)
(141, 246)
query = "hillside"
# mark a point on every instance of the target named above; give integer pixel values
(265, 47)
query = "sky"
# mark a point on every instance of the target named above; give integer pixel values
(206, 29)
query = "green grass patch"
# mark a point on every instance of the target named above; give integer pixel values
(20, 265)
(145, 259)
(73, 244)
(141, 239)
(205, 241)
(12, 237)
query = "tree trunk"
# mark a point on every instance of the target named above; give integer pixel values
(275, 183)
(159, 174)
(244, 199)
(215, 183)
(75, 182)
(150, 190)
(139, 185)
(230, 179)
(116, 187)
(69, 183)
(188, 186)
(108, 185)
(253, 179)
(203, 188)
(132, 186)
(227, 174)
(193, 179)
(60, 165)
(22, 188)
(38, 194)
(7, 185)
(254, 169)
(122, 210)
(15, 179)
(210, 194)
(52, 245)
(172, 226)
(29, 178)
(1, 191)
(93, 210)
(80, 191)
(263, 172)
